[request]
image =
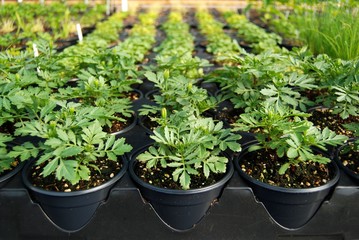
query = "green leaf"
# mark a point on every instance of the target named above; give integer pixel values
(62, 135)
(185, 180)
(71, 151)
(176, 173)
(292, 153)
(53, 142)
(50, 167)
(283, 168)
(206, 170)
(67, 170)
(110, 141)
(84, 172)
(269, 92)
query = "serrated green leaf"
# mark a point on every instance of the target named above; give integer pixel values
(67, 170)
(185, 180)
(62, 135)
(50, 167)
(53, 142)
(292, 152)
(71, 151)
(283, 168)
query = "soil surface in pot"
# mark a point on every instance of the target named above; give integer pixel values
(325, 118)
(148, 123)
(132, 95)
(14, 164)
(162, 177)
(107, 170)
(119, 125)
(349, 156)
(264, 165)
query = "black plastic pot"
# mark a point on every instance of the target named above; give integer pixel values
(7, 176)
(70, 211)
(129, 127)
(180, 210)
(346, 170)
(291, 208)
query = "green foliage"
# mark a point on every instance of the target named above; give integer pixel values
(329, 28)
(189, 145)
(259, 40)
(265, 77)
(219, 43)
(70, 150)
(288, 132)
(140, 39)
(178, 93)
(6, 161)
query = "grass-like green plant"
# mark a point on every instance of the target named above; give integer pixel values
(333, 30)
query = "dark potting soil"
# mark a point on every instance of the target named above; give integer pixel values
(118, 125)
(264, 165)
(325, 118)
(107, 170)
(162, 177)
(148, 123)
(14, 164)
(349, 156)
(7, 128)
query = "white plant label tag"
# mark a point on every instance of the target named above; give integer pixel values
(2, 2)
(42, 2)
(79, 32)
(36, 51)
(108, 5)
(124, 6)
(19, 1)
(36, 54)
(86, 2)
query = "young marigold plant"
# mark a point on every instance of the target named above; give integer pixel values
(190, 146)
(287, 131)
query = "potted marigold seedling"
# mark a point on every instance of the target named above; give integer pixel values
(287, 166)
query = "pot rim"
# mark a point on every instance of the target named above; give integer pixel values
(28, 184)
(340, 163)
(253, 180)
(222, 181)
(129, 127)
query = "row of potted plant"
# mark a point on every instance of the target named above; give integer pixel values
(219, 43)
(76, 118)
(189, 145)
(254, 36)
(24, 23)
(175, 53)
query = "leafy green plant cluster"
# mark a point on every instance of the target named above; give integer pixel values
(141, 38)
(219, 43)
(71, 143)
(178, 39)
(29, 22)
(336, 79)
(178, 93)
(174, 54)
(265, 77)
(105, 34)
(71, 122)
(259, 40)
(287, 131)
(278, 21)
(190, 146)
